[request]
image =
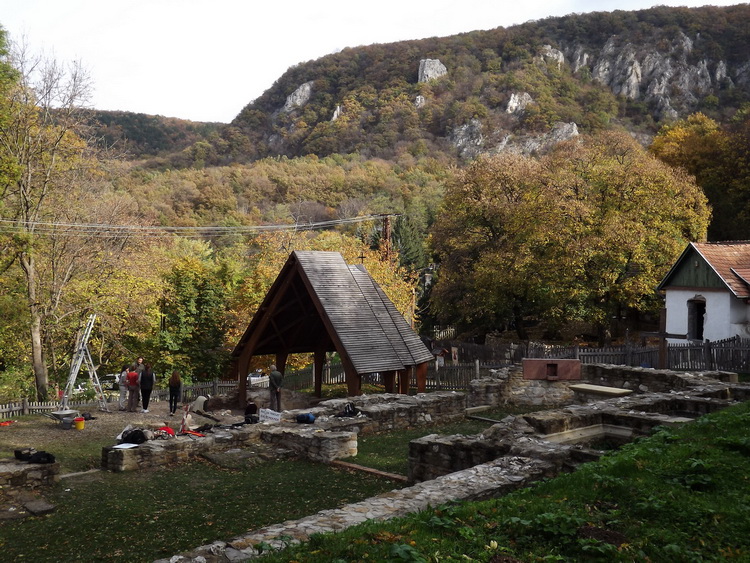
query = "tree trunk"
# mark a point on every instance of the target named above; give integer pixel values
(37, 348)
(518, 319)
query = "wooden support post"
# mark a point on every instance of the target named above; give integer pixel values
(403, 381)
(662, 339)
(422, 377)
(318, 363)
(389, 381)
(281, 358)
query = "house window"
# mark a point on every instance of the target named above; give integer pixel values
(696, 318)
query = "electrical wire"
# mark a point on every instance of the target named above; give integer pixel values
(120, 231)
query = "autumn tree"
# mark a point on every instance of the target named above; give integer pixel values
(583, 233)
(192, 335)
(50, 188)
(718, 158)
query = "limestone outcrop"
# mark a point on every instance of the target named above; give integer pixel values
(430, 69)
(298, 98)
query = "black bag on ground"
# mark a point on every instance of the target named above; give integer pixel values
(349, 410)
(42, 457)
(135, 436)
(24, 454)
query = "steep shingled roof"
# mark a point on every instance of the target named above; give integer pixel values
(318, 302)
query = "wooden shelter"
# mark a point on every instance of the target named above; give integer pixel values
(320, 304)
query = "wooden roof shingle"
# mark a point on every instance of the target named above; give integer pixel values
(318, 302)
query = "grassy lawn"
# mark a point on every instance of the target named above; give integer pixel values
(179, 508)
(388, 451)
(76, 451)
(143, 516)
(681, 495)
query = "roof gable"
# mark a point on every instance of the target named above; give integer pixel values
(318, 302)
(712, 265)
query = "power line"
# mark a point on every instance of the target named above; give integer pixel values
(106, 230)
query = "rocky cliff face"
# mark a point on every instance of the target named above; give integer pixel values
(663, 76)
(510, 91)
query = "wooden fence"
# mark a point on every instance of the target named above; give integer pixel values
(732, 354)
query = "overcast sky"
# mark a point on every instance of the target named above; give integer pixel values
(205, 60)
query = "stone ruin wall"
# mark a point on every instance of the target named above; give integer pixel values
(327, 439)
(655, 393)
(16, 474)
(332, 437)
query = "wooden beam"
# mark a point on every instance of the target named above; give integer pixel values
(318, 363)
(422, 377)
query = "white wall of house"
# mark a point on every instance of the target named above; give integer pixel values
(726, 316)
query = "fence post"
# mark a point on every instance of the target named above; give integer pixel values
(575, 352)
(215, 386)
(476, 368)
(24, 406)
(708, 357)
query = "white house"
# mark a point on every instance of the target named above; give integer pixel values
(707, 291)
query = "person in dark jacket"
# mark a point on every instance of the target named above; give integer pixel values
(274, 385)
(175, 390)
(146, 380)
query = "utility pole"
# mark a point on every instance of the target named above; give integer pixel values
(385, 240)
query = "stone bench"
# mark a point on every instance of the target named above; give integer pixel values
(599, 390)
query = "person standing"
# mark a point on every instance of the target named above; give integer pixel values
(133, 389)
(175, 391)
(122, 384)
(146, 381)
(274, 385)
(139, 367)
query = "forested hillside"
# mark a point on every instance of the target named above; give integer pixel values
(636, 69)
(137, 135)
(546, 173)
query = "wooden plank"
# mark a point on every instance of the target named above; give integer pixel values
(600, 390)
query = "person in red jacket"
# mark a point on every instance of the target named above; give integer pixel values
(133, 389)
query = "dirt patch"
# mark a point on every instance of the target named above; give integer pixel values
(47, 434)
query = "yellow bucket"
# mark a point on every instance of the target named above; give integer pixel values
(79, 422)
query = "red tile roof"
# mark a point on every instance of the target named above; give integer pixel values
(730, 261)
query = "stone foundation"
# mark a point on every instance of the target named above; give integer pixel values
(508, 386)
(312, 443)
(389, 411)
(327, 439)
(624, 417)
(23, 475)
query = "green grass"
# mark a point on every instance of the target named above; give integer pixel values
(682, 495)
(143, 516)
(389, 451)
(81, 450)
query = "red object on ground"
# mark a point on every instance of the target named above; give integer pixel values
(7, 422)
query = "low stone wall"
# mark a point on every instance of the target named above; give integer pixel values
(327, 439)
(647, 380)
(311, 443)
(157, 453)
(508, 386)
(23, 475)
(434, 455)
(388, 411)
